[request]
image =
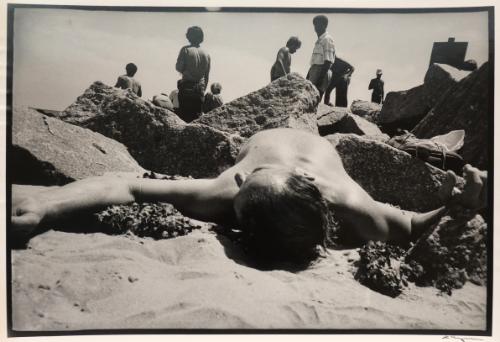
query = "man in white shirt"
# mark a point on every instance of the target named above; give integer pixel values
(323, 55)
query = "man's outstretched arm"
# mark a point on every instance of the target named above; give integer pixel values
(404, 226)
(204, 199)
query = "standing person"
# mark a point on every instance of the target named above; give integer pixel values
(284, 58)
(194, 65)
(341, 77)
(213, 99)
(322, 57)
(378, 88)
(128, 82)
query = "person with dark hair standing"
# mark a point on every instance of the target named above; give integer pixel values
(284, 58)
(285, 189)
(213, 99)
(323, 56)
(377, 84)
(128, 82)
(341, 77)
(194, 65)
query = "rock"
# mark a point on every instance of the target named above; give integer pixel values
(163, 101)
(388, 174)
(329, 119)
(157, 138)
(289, 101)
(352, 123)
(405, 109)
(340, 120)
(367, 110)
(48, 112)
(465, 106)
(48, 151)
(438, 80)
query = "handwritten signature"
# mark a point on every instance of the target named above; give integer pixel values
(462, 339)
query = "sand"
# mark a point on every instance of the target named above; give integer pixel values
(74, 281)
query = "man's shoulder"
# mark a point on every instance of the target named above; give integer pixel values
(328, 38)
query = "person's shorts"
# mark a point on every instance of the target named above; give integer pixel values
(315, 73)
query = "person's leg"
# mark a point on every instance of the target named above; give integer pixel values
(341, 94)
(329, 90)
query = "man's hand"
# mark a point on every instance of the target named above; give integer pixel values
(26, 216)
(475, 192)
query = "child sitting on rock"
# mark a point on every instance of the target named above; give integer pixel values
(213, 99)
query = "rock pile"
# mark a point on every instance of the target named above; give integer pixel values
(465, 106)
(404, 109)
(156, 137)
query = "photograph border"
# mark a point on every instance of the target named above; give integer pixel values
(11, 7)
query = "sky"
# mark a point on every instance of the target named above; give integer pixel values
(58, 53)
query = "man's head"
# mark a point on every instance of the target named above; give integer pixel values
(215, 88)
(195, 35)
(379, 73)
(293, 44)
(282, 214)
(320, 23)
(131, 69)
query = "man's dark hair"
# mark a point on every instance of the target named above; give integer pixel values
(294, 41)
(287, 225)
(320, 20)
(195, 35)
(131, 69)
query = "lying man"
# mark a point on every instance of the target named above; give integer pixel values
(285, 188)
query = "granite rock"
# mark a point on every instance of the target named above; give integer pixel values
(465, 106)
(367, 110)
(157, 138)
(289, 101)
(404, 109)
(388, 174)
(48, 151)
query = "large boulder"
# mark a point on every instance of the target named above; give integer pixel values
(388, 174)
(404, 109)
(465, 106)
(439, 79)
(289, 101)
(157, 138)
(48, 151)
(367, 110)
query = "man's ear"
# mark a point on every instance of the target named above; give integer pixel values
(240, 177)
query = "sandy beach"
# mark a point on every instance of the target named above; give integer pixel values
(70, 281)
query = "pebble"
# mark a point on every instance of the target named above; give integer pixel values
(132, 279)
